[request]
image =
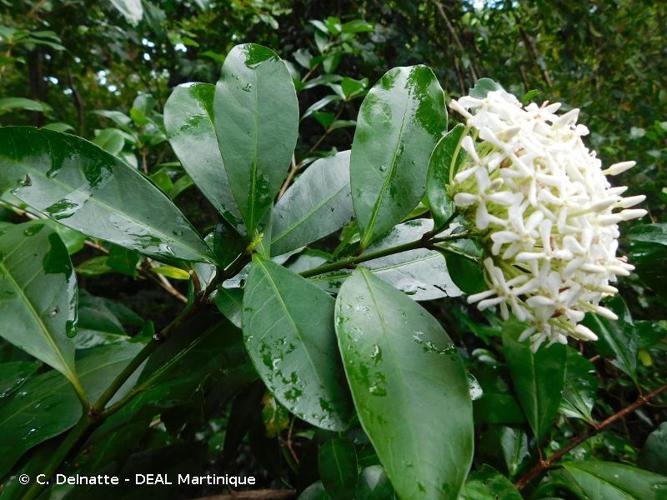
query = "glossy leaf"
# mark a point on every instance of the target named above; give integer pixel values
(132, 10)
(13, 375)
(338, 468)
(316, 205)
(611, 481)
(617, 338)
(488, 484)
(229, 302)
(38, 294)
(289, 334)
(538, 378)
(405, 374)
(256, 119)
(483, 86)
(374, 484)
(653, 455)
(580, 387)
(445, 158)
(315, 491)
(420, 273)
(188, 120)
(87, 189)
(46, 405)
(400, 121)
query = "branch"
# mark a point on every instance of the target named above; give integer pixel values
(543, 465)
(425, 242)
(96, 415)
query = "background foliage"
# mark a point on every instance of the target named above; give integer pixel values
(104, 71)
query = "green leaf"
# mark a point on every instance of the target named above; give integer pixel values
(338, 468)
(463, 258)
(13, 375)
(400, 121)
(514, 446)
(111, 140)
(611, 481)
(256, 119)
(446, 157)
(315, 491)
(38, 294)
(497, 404)
(188, 120)
(580, 387)
(653, 455)
(617, 338)
(316, 205)
(489, 484)
(374, 484)
(482, 87)
(421, 273)
(46, 405)
(289, 334)
(538, 378)
(87, 189)
(11, 103)
(405, 374)
(132, 10)
(229, 302)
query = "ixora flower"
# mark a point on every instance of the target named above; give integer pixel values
(545, 212)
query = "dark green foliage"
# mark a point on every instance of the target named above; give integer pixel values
(246, 259)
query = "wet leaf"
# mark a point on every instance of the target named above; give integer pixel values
(653, 455)
(338, 468)
(445, 158)
(289, 334)
(188, 120)
(256, 118)
(538, 378)
(87, 189)
(489, 484)
(405, 374)
(617, 338)
(38, 295)
(13, 375)
(316, 205)
(229, 302)
(611, 481)
(580, 387)
(420, 273)
(374, 484)
(400, 121)
(46, 405)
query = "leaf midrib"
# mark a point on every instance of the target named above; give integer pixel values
(38, 319)
(97, 201)
(385, 185)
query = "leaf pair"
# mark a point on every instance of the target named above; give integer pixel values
(406, 378)
(236, 139)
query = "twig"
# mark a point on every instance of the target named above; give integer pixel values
(543, 465)
(425, 242)
(455, 36)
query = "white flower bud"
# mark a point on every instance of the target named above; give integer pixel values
(619, 168)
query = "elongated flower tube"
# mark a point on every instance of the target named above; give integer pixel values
(545, 212)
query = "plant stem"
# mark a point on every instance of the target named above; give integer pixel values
(84, 424)
(426, 242)
(543, 465)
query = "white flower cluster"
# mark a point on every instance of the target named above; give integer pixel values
(546, 212)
